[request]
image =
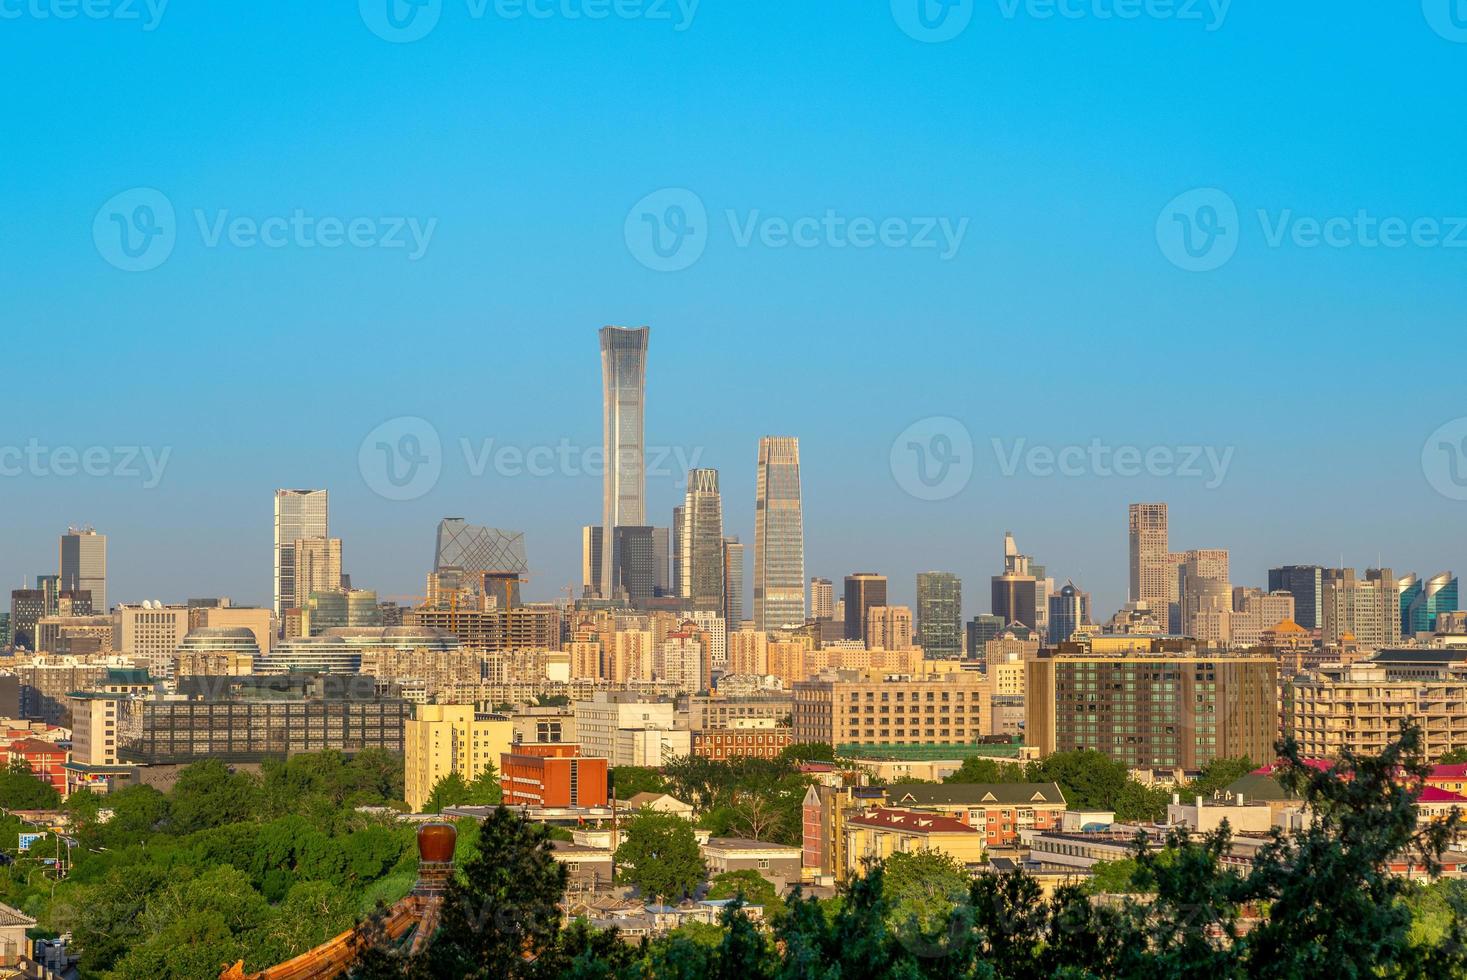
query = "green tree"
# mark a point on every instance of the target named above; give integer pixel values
(500, 914)
(977, 769)
(660, 856)
(484, 789)
(923, 888)
(1219, 774)
(1089, 779)
(449, 791)
(1456, 757)
(21, 789)
(750, 886)
(209, 794)
(1137, 802)
(628, 781)
(807, 752)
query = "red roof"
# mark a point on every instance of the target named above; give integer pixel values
(34, 746)
(1433, 794)
(1457, 771)
(1320, 764)
(912, 820)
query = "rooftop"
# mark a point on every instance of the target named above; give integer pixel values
(977, 794)
(912, 821)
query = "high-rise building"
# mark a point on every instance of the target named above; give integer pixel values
(591, 559)
(1157, 704)
(677, 559)
(1367, 609)
(1016, 592)
(478, 551)
(1153, 566)
(940, 614)
(1306, 584)
(822, 599)
(863, 591)
(779, 536)
(317, 569)
(1067, 614)
(733, 583)
(84, 564)
(636, 560)
(701, 544)
(299, 514)
(1204, 596)
(663, 546)
(1423, 600)
(889, 628)
(981, 629)
(624, 486)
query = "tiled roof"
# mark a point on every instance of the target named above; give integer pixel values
(977, 794)
(1433, 794)
(1457, 771)
(14, 917)
(910, 820)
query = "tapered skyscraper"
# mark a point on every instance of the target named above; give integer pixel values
(779, 536)
(701, 545)
(299, 514)
(624, 390)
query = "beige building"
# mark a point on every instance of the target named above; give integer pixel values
(446, 738)
(844, 708)
(259, 621)
(1360, 706)
(317, 567)
(630, 730)
(1367, 609)
(151, 633)
(1255, 612)
(748, 653)
(881, 832)
(889, 628)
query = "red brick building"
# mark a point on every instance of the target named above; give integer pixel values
(999, 811)
(722, 744)
(552, 774)
(47, 760)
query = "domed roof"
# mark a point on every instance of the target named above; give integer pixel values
(220, 633)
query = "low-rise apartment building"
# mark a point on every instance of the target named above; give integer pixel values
(552, 775)
(849, 711)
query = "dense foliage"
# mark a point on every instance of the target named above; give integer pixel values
(224, 866)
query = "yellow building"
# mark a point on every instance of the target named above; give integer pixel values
(881, 832)
(443, 738)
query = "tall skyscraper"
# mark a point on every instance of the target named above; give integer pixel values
(981, 629)
(623, 430)
(1015, 593)
(636, 571)
(701, 544)
(1368, 609)
(733, 583)
(1066, 614)
(779, 536)
(822, 598)
(677, 557)
(864, 590)
(940, 614)
(1423, 600)
(317, 569)
(663, 546)
(591, 559)
(84, 565)
(889, 628)
(1305, 583)
(298, 514)
(1153, 566)
(473, 550)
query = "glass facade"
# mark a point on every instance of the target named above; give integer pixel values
(298, 514)
(779, 536)
(701, 545)
(940, 614)
(624, 488)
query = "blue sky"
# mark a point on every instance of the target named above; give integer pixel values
(1064, 317)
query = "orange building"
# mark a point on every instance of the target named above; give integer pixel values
(47, 760)
(725, 743)
(552, 774)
